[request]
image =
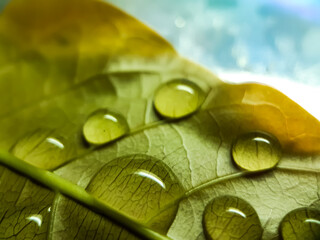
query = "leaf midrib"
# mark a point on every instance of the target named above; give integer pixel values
(77, 193)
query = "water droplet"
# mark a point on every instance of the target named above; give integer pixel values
(43, 149)
(140, 186)
(229, 217)
(301, 224)
(104, 126)
(256, 151)
(178, 98)
(37, 218)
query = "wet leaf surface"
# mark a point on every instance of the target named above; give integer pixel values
(62, 60)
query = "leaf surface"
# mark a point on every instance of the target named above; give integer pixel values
(62, 60)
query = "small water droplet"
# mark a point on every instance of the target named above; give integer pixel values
(229, 217)
(37, 218)
(104, 126)
(178, 98)
(43, 149)
(140, 186)
(301, 224)
(256, 151)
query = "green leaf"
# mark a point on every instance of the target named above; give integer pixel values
(62, 60)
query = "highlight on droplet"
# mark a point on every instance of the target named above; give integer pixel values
(37, 218)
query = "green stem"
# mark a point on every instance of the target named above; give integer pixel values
(79, 194)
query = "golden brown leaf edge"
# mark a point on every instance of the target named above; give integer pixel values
(61, 61)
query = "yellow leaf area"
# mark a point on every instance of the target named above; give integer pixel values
(61, 61)
(261, 107)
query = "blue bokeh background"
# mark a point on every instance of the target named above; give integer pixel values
(271, 37)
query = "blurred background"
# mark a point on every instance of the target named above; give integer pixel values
(276, 42)
(279, 37)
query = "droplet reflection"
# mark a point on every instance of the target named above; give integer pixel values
(236, 211)
(312, 221)
(55, 142)
(151, 176)
(110, 117)
(37, 218)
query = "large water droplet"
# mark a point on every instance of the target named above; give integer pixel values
(229, 217)
(140, 186)
(301, 224)
(256, 151)
(104, 126)
(43, 149)
(178, 98)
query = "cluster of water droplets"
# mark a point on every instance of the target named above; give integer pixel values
(230, 217)
(174, 99)
(225, 217)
